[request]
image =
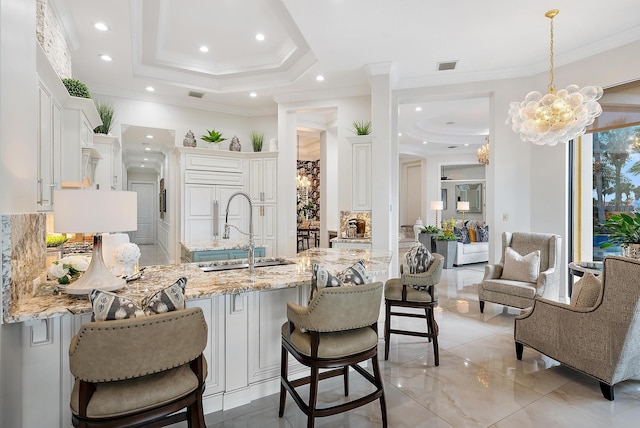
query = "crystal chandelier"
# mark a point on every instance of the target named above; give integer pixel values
(483, 153)
(556, 117)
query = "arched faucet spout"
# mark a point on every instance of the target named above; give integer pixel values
(227, 229)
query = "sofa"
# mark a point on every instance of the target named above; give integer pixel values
(469, 249)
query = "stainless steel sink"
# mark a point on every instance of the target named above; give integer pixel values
(216, 267)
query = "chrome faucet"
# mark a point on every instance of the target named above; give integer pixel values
(227, 229)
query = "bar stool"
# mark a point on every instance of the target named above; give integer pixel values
(400, 292)
(336, 331)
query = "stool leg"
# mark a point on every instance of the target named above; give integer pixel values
(345, 376)
(429, 326)
(387, 327)
(433, 327)
(378, 378)
(284, 368)
(313, 396)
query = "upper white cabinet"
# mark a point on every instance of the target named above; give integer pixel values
(65, 126)
(105, 175)
(263, 178)
(49, 140)
(361, 172)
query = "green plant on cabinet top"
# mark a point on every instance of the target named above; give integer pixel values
(213, 137)
(362, 127)
(76, 88)
(106, 113)
(257, 138)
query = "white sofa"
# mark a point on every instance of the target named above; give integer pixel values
(474, 252)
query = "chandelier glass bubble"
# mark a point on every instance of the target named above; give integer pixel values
(556, 117)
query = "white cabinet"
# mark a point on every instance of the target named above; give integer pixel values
(361, 173)
(204, 211)
(262, 189)
(49, 140)
(80, 118)
(104, 173)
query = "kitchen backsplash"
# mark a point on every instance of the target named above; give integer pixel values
(23, 255)
(345, 216)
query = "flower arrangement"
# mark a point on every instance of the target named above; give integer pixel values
(67, 269)
(430, 229)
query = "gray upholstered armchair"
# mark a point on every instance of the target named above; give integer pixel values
(496, 287)
(601, 340)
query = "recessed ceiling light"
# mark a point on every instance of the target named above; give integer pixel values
(253, 94)
(149, 136)
(418, 108)
(319, 77)
(204, 49)
(399, 134)
(105, 57)
(150, 88)
(141, 165)
(100, 26)
(466, 144)
(260, 37)
(145, 159)
(147, 149)
(424, 142)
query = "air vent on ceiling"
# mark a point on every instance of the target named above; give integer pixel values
(448, 65)
(195, 94)
(452, 147)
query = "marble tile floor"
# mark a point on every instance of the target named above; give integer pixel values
(479, 382)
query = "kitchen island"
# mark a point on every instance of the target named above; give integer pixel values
(244, 314)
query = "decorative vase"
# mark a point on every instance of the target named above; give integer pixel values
(417, 227)
(189, 140)
(234, 146)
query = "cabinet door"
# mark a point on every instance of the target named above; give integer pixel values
(361, 177)
(237, 212)
(262, 180)
(199, 212)
(269, 229)
(49, 140)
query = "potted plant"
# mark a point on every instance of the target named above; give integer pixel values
(624, 230)
(76, 88)
(446, 246)
(213, 137)
(362, 127)
(257, 138)
(106, 113)
(427, 237)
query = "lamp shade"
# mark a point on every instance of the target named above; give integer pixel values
(437, 205)
(94, 211)
(463, 206)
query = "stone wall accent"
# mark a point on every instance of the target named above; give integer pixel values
(51, 37)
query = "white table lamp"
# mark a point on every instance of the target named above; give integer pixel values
(437, 206)
(95, 211)
(462, 206)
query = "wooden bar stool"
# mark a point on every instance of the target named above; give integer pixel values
(400, 292)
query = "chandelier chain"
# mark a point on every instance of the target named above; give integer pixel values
(552, 87)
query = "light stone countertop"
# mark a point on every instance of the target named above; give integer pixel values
(352, 240)
(212, 245)
(47, 304)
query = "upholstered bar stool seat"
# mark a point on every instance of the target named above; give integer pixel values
(398, 293)
(333, 345)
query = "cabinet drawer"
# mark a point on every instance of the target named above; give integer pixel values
(210, 177)
(211, 163)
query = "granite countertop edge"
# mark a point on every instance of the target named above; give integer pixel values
(202, 285)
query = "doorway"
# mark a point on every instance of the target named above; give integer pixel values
(147, 203)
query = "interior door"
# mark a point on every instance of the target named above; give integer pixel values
(147, 208)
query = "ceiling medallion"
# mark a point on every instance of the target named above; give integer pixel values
(556, 117)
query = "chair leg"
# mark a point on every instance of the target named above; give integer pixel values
(519, 349)
(284, 368)
(378, 378)
(387, 327)
(313, 396)
(433, 329)
(345, 376)
(607, 391)
(429, 326)
(481, 306)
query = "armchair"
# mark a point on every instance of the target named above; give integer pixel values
(516, 293)
(600, 341)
